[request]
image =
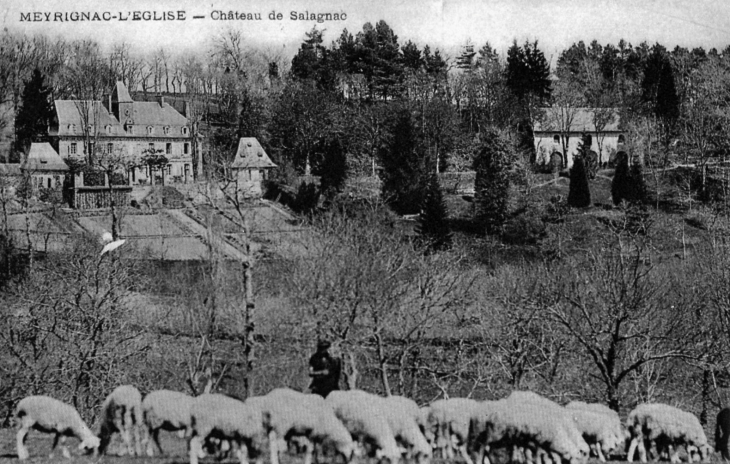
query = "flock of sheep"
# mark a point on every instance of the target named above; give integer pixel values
(528, 427)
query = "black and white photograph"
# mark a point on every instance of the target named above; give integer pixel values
(364, 232)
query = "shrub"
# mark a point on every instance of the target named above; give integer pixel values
(306, 199)
(526, 229)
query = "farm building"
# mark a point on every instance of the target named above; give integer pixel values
(558, 133)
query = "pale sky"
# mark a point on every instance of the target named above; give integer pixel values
(443, 24)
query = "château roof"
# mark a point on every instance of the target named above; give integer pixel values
(74, 115)
(250, 154)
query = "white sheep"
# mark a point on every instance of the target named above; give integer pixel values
(667, 427)
(528, 424)
(224, 418)
(365, 423)
(448, 423)
(122, 412)
(288, 414)
(402, 415)
(601, 427)
(165, 410)
(49, 415)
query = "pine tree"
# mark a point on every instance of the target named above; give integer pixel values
(433, 225)
(405, 171)
(491, 185)
(579, 195)
(36, 112)
(621, 184)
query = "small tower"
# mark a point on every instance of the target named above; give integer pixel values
(122, 106)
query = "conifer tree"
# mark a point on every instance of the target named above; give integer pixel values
(579, 195)
(433, 226)
(491, 185)
(638, 186)
(36, 112)
(405, 171)
(621, 184)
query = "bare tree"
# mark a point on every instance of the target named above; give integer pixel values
(43, 317)
(623, 313)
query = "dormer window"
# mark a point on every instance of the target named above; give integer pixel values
(150, 130)
(185, 130)
(89, 129)
(108, 129)
(72, 127)
(166, 130)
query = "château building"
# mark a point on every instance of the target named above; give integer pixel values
(128, 130)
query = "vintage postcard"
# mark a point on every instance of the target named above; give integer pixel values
(478, 230)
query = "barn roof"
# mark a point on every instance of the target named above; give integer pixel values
(582, 121)
(250, 154)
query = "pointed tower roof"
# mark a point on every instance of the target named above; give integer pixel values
(250, 154)
(42, 157)
(121, 94)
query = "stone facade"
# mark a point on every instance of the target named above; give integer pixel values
(551, 136)
(126, 130)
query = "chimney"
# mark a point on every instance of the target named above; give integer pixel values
(109, 100)
(161, 100)
(186, 110)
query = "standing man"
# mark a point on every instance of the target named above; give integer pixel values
(324, 370)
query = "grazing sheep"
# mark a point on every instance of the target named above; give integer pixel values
(165, 410)
(224, 418)
(365, 423)
(448, 423)
(722, 433)
(290, 414)
(530, 425)
(122, 412)
(667, 427)
(48, 415)
(600, 426)
(402, 416)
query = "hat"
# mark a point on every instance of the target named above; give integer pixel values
(323, 344)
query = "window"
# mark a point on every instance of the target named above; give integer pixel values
(166, 130)
(169, 169)
(556, 138)
(72, 149)
(589, 140)
(109, 148)
(44, 161)
(152, 146)
(108, 129)
(186, 148)
(185, 131)
(621, 139)
(150, 130)
(72, 127)
(168, 149)
(49, 182)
